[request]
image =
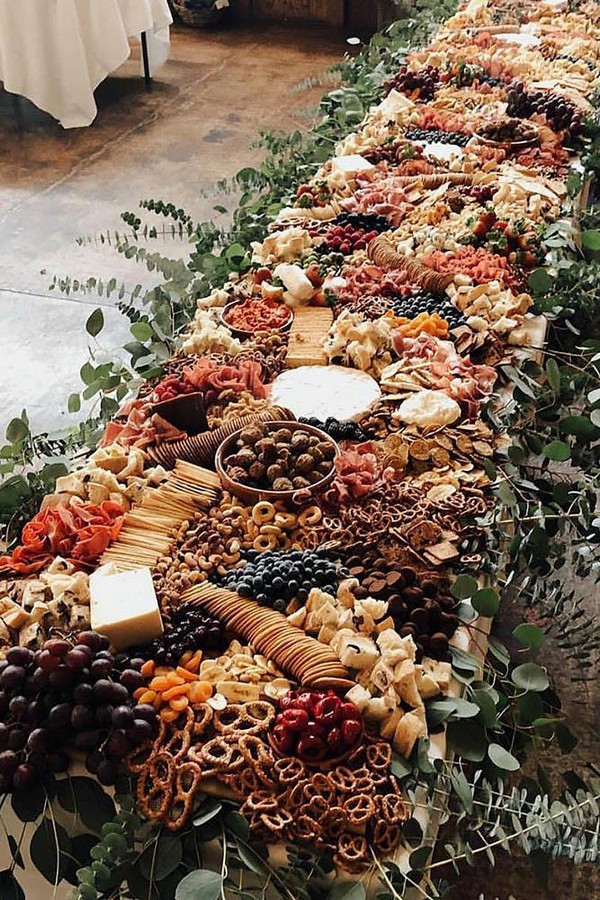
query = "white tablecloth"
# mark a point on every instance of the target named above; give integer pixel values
(56, 52)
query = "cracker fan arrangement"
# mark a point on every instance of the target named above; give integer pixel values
(246, 590)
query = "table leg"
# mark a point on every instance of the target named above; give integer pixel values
(16, 101)
(147, 73)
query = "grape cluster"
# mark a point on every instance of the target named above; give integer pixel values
(407, 82)
(185, 629)
(560, 112)
(327, 262)
(274, 578)
(347, 238)
(68, 695)
(366, 221)
(436, 136)
(339, 431)
(425, 302)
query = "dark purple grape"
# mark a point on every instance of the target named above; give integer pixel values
(119, 695)
(12, 677)
(91, 639)
(103, 690)
(62, 678)
(40, 679)
(87, 740)
(122, 716)
(57, 647)
(47, 661)
(104, 643)
(4, 732)
(83, 693)
(20, 656)
(145, 711)
(18, 737)
(132, 680)
(18, 706)
(77, 660)
(118, 744)
(8, 762)
(93, 760)
(40, 740)
(107, 773)
(140, 731)
(59, 716)
(82, 717)
(25, 776)
(4, 701)
(101, 668)
(36, 712)
(104, 716)
(38, 760)
(136, 663)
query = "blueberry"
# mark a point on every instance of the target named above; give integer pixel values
(279, 605)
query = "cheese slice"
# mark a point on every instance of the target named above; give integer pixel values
(124, 606)
(350, 165)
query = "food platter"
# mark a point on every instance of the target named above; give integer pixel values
(249, 589)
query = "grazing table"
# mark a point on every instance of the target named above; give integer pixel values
(56, 52)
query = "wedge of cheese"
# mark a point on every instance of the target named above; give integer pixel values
(124, 606)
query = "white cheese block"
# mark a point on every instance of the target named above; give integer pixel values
(323, 391)
(124, 606)
(394, 103)
(351, 165)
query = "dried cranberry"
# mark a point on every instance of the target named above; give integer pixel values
(351, 731)
(311, 748)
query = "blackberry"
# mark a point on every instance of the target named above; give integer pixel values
(345, 431)
(435, 136)
(185, 629)
(274, 578)
(424, 301)
(366, 221)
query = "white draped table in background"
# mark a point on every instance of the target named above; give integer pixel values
(56, 52)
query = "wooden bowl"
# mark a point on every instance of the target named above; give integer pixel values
(253, 494)
(509, 144)
(242, 333)
(185, 412)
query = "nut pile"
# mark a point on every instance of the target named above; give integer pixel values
(279, 459)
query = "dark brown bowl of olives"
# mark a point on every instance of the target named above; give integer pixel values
(276, 460)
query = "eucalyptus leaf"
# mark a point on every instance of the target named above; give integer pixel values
(200, 885)
(468, 740)
(17, 431)
(237, 825)
(95, 323)
(557, 451)
(142, 331)
(251, 858)
(85, 797)
(10, 889)
(29, 805)
(502, 758)
(419, 858)
(207, 811)
(529, 635)
(49, 849)
(463, 587)
(486, 602)
(530, 677)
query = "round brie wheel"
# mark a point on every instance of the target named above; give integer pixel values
(323, 391)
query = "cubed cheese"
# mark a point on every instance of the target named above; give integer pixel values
(357, 651)
(124, 606)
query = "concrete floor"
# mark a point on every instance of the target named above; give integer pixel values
(196, 127)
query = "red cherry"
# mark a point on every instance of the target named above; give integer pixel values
(284, 739)
(288, 699)
(335, 742)
(311, 748)
(351, 731)
(349, 711)
(345, 247)
(327, 711)
(306, 700)
(294, 719)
